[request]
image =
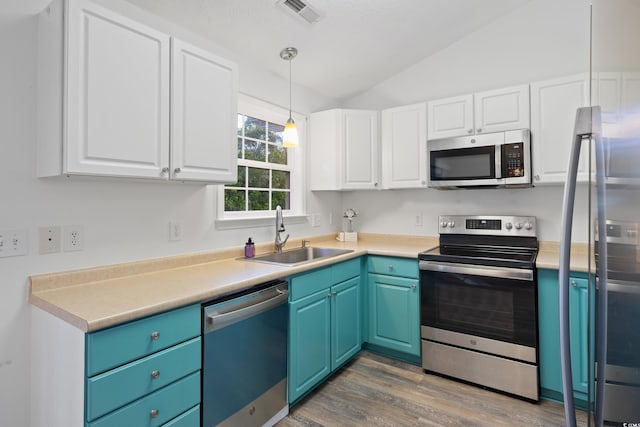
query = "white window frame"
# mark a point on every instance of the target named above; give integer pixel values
(254, 107)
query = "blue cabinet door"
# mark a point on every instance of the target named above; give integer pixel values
(549, 334)
(579, 322)
(394, 307)
(309, 342)
(346, 315)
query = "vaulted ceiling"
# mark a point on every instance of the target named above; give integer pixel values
(355, 45)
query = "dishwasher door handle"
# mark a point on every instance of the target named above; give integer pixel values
(218, 320)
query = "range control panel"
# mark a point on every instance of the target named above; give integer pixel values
(491, 225)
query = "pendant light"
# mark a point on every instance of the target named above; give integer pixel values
(290, 135)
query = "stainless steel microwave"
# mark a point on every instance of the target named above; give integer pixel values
(500, 159)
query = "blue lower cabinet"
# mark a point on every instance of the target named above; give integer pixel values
(191, 418)
(309, 342)
(156, 408)
(346, 319)
(549, 334)
(325, 327)
(153, 374)
(394, 313)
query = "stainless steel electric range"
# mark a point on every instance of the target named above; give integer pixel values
(478, 301)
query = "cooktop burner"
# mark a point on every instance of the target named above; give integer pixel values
(482, 255)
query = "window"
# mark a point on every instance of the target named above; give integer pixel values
(268, 174)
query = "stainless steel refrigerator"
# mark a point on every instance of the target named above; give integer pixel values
(610, 128)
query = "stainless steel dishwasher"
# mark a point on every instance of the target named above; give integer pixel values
(244, 357)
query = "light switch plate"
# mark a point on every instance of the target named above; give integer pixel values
(13, 243)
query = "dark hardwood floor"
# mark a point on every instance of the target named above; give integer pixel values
(373, 390)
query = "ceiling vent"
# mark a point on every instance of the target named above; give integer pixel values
(301, 9)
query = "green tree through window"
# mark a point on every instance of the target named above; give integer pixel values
(264, 173)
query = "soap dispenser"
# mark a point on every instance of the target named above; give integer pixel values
(249, 249)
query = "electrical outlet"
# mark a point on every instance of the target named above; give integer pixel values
(49, 239)
(13, 243)
(73, 238)
(315, 220)
(175, 231)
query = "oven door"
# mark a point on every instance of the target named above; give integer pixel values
(496, 303)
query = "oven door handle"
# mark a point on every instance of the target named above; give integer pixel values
(477, 270)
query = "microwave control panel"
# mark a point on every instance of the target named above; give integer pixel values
(513, 160)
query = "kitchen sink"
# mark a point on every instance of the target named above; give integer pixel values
(299, 256)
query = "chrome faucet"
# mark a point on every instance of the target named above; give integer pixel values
(279, 243)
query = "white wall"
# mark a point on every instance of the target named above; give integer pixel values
(123, 220)
(543, 39)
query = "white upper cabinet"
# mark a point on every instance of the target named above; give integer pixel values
(450, 117)
(553, 112)
(203, 116)
(343, 150)
(482, 112)
(105, 107)
(404, 146)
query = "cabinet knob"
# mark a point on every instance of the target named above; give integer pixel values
(155, 335)
(164, 171)
(177, 170)
(155, 374)
(375, 184)
(390, 267)
(479, 130)
(537, 177)
(424, 182)
(470, 131)
(154, 413)
(413, 286)
(574, 283)
(329, 295)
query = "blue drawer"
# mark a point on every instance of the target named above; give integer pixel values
(116, 346)
(392, 266)
(191, 418)
(169, 402)
(309, 283)
(345, 271)
(119, 386)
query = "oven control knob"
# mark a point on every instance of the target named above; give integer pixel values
(518, 225)
(452, 224)
(528, 225)
(508, 226)
(444, 224)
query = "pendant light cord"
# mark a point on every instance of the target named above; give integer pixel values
(290, 88)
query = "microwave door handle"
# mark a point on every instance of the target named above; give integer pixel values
(582, 129)
(498, 161)
(602, 268)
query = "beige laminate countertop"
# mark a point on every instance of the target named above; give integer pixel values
(96, 298)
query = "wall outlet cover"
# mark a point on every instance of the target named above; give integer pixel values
(13, 243)
(73, 238)
(49, 239)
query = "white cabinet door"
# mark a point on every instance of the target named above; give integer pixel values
(404, 146)
(343, 150)
(203, 116)
(606, 88)
(502, 109)
(553, 111)
(630, 98)
(450, 117)
(360, 149)
(117, 104)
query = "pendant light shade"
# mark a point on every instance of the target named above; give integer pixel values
(290, 135)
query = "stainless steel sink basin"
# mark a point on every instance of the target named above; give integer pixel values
(300, 255)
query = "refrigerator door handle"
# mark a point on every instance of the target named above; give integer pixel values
(601, 269)
(582, 130)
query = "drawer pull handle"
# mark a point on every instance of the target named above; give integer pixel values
(155, 374)
(413, 286)
(574, 283)
(154, 413)
(390, 267)
(155, 335)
